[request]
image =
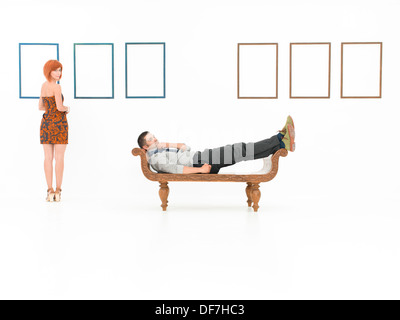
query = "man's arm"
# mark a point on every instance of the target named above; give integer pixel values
(206, 168)
(160, 163)
(180, 146)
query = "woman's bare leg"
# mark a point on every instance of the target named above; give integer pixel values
(59, 152)
(48, 163)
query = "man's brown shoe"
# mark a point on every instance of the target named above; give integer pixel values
(288, 139)
(289, 120)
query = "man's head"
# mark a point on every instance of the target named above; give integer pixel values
(147, 140)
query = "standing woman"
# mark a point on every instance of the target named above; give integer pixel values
(54, 127)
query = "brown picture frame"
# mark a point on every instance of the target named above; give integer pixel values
(380, 72)
(329, 70)
(238, 70)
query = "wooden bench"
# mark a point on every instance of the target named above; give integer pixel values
(253, 180)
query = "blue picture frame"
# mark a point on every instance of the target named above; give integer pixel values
(112, 70)
(126, 70)
(20, 68)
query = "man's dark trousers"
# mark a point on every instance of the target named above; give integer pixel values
(231, 154)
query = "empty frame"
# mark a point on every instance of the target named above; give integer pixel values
(361, 73)
(94, 70)
(145, 70)
(32, 58)
(257, 71)
(310, 70)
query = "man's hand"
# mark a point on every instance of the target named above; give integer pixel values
(179, 146)
(162, 145)
(206, 168)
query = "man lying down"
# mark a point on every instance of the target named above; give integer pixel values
(178, 158)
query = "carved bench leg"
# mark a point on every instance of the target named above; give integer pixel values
(248, 193)
(255, 195)
(163, 192)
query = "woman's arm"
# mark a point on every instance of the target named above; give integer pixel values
(41, 106)
(59, 102)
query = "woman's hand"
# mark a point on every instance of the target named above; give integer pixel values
(68, 109)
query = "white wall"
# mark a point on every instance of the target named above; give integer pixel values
(345, 147)
(328, 223)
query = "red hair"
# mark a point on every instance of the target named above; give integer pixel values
(50, 66)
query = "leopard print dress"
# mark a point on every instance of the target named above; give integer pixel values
(54, 126)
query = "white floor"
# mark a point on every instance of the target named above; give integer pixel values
(209, 247)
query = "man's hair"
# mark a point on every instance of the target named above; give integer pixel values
(141, 141)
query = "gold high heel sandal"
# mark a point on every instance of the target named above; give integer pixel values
(50, 195)
(57, 195)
